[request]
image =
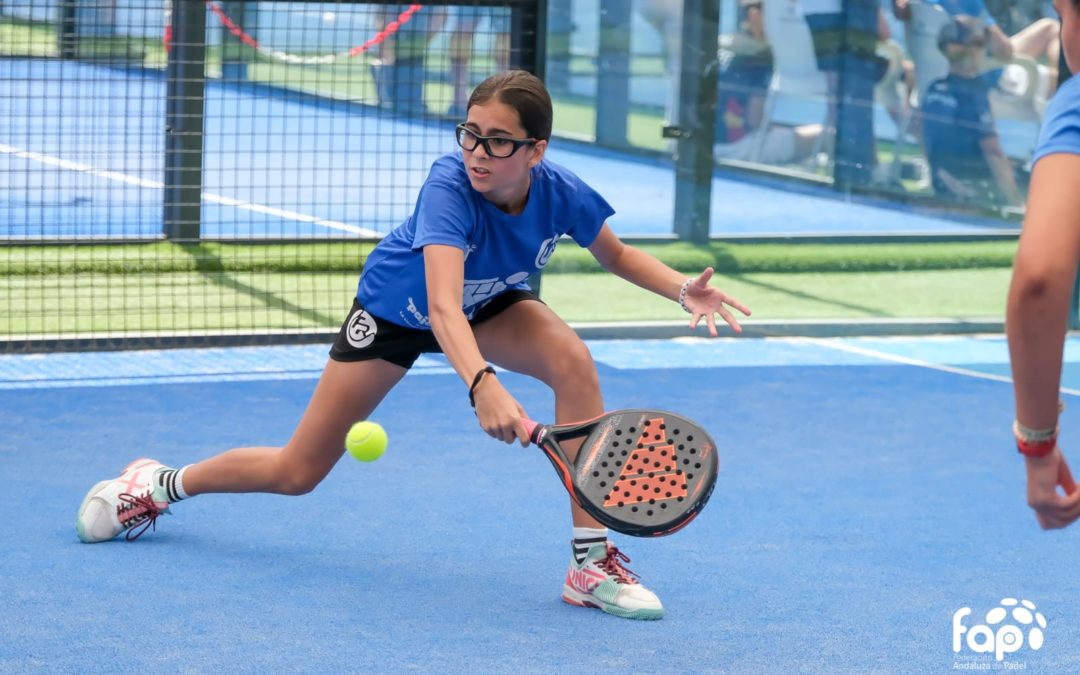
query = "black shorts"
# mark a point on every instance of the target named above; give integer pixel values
(365, 336)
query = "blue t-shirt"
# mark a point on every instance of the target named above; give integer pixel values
(501, 250)
(975, 8)
(956, 119)
(1060, 130)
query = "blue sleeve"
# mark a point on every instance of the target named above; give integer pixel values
(442, 216)
(1060, 131)
(590, 214)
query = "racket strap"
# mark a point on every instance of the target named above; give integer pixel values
(476, 383)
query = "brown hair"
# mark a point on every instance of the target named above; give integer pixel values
(525, 93)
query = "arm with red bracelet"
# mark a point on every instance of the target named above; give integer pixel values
(1040, 294)
(1037, 320)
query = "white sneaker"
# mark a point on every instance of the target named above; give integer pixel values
(118, 505)
(601, 581)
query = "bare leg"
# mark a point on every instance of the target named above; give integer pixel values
(386, 48)
(665, 16)
(346, 393)
(461, 43)
(531, 339)
(1039, 40)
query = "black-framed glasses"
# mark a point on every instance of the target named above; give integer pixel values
(496, 146)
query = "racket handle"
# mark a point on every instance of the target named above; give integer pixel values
(533, 429)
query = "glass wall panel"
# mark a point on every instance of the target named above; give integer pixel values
(912, 101)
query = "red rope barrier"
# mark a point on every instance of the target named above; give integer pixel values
(248, 40)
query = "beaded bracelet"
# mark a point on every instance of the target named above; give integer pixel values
(476, 383)
(1036, 442)
(682, 296)
(1034, 435)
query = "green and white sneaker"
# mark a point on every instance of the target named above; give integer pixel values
(601, 581)
(120, 504)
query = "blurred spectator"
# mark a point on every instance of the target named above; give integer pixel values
(666, 17)
(745, 70)
(846, 34)
(746, 66)
(966, 159)
(398, 72)
(781, 145)
(1040, 40)
(467, 19)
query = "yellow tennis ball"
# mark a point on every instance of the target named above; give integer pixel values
(366, 441)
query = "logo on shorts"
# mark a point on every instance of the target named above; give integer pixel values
(361, 329)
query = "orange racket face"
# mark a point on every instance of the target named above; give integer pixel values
(640, 472)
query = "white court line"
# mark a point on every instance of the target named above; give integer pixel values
(885, 356)
(208, 196)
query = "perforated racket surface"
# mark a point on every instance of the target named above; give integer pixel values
(644, 473)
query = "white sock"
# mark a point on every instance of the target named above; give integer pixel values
(178, 484)
(173, 482)
(585, 538)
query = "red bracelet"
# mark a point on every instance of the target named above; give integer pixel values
(1034, 442)
(1036, 448)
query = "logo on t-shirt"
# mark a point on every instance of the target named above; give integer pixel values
(415, 318)
(361, 329)
(479, 290)
(475, 294)
(547, 248)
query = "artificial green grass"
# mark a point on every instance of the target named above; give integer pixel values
(167, 257)
(348, 256)
(941, 294)
(26, 39)
(222, 301)
(797, 258)
(224, 286)
(173, 302)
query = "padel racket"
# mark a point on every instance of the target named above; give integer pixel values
(645, 473)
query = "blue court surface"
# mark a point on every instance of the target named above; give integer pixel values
(868, 492)
(82, 156)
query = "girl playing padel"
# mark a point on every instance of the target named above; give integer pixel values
(452, 278)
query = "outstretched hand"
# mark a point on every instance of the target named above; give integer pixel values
(705, 301)
(1044, 476)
